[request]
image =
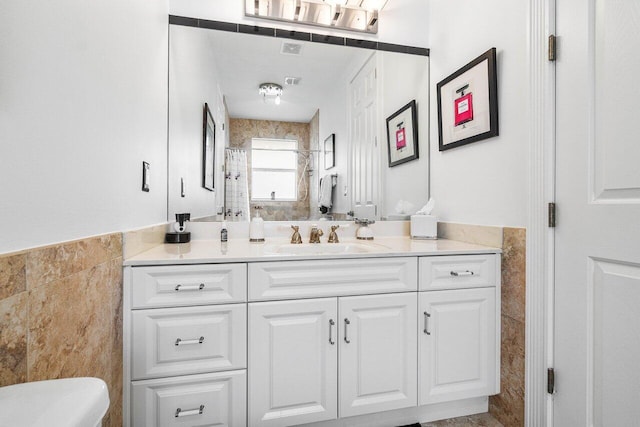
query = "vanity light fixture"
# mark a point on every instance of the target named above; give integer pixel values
(353, 15)
(270, 90)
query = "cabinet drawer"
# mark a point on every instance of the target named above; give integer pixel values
(216, 399)
(188, 340)
(188, 285)
(304, 279)
(457, 272)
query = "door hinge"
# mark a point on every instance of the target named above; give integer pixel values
(552, 47)
(552, 215)
(551, 381)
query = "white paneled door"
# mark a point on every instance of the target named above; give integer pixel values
(597, 278)
(365, 157)
(378, 353)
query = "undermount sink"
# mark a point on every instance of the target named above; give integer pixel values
(68, 402)
(326, 248)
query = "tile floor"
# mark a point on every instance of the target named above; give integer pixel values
(479, 420)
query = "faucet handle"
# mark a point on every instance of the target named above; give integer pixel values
(333, 236)
(295, 237)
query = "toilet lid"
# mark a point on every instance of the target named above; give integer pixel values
(67, 402)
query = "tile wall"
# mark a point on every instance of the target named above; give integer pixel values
(508, 406)
(61, 315)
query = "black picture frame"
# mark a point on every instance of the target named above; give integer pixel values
(402, 135)
(462, 117)
(208, 149)
(330, 151)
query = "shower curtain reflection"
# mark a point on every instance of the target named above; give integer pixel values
(236, 186)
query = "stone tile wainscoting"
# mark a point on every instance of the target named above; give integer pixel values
(61, 315)
(508, 406)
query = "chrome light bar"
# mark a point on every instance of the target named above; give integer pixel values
(352, 15)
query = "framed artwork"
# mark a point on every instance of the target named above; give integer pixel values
(468, 103)
(330, 151)
(208, 149)
(402, 135)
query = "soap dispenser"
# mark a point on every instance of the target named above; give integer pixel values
(224, 232)
(256, 228)
(364, 232)
(180, 235)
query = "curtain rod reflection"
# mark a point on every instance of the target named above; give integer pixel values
(273, 149)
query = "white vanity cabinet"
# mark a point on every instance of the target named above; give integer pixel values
(374, 341)
(296, 375)
(185, 351)
(305, 353)
(459, 334)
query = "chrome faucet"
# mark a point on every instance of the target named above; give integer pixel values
(333, 236)
(295, 237)
(314, 237)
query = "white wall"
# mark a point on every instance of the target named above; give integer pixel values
(401, 21)
(193, 81)
(484, 182)
(401, 78)
(83, 102)
(404, 78)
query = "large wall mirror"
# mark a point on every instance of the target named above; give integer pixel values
(273, 144)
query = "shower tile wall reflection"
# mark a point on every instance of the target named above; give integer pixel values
(241, 131)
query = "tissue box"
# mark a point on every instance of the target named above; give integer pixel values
(424, 227)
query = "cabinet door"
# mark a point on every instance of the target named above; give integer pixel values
(457, 338)
(378, 353)
(292, 362)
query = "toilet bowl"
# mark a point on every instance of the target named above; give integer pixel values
(68, 402)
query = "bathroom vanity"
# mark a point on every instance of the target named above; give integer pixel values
(385, 333)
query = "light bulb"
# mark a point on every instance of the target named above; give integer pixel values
(277, 101)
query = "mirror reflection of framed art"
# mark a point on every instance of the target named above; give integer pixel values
(402, 135)
(208, 149)
(330, 151)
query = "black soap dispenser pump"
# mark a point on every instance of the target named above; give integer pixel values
(181, 235)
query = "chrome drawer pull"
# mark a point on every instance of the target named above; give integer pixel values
(180, 341)
(331, 324)
(346, 323)
(462, 273)
(196, 411)
(426, 323)
(190, 287)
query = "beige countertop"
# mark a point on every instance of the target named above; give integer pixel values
(279, 249)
